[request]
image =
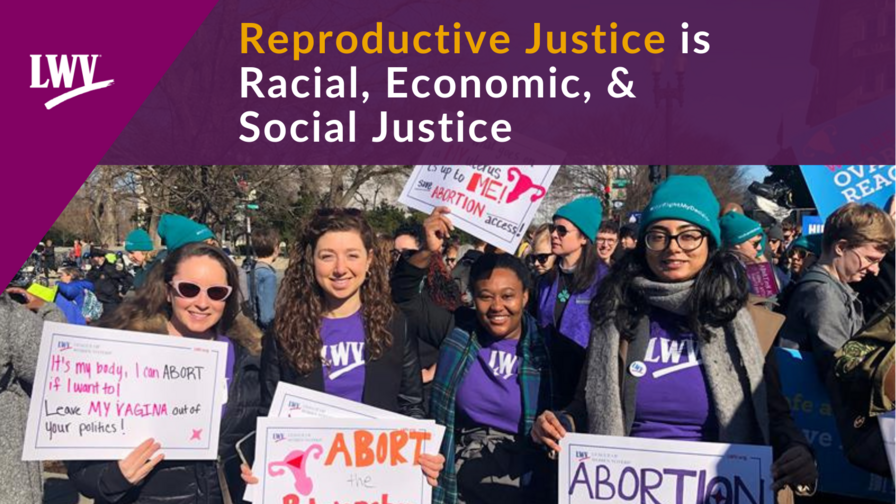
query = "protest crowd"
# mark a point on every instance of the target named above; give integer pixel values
(666, 326)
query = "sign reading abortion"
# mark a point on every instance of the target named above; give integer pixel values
(621, 469)
(835, 185)
(99, 393)
(493, 203)
(304, 461)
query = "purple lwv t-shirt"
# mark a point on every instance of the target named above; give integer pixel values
(672, 399)
(343, 356)
(489, 394)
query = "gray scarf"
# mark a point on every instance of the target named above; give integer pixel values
(732, 356)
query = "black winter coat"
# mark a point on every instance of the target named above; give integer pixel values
(393, 382)
(109, 283)
(183, 481)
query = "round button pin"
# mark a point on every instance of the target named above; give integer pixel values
(637, 369)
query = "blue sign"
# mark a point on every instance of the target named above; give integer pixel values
(832, 186)
(812, 224)
(811, 408)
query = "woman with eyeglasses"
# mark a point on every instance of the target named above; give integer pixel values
(566, 290)
(824, 311)
(190, 295)
(678, 289)
(336, 329)
(493, 376)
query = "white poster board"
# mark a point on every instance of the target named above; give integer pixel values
(493, 203)
(343, 460)
(888, 430)
(624, 469)
(292, 401)
(99, 393)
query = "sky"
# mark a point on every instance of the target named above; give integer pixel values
(756, 172)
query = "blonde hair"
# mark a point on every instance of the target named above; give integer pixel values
(859, 225)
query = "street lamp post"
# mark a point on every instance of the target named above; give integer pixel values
(668, 94)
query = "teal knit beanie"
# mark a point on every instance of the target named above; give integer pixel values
(138, 240)
(738, 228)
(812, 243)
(586, 213)
(684, 197)
(177, 231)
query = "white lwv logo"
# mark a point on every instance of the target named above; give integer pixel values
(62, 73)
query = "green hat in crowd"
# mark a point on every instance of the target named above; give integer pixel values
(586, 213)
(738, 228)
(138, 240)
(177, 231)
(684, 197)
(812, 243)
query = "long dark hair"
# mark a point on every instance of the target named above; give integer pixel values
(585, 272)
(720, 291)
(300, 301)
(143, 311)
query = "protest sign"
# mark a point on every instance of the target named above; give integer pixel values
(811, 408)
(832, 186)
(292, 401)
(812, 224)
(493, 203)
(624, 469)
(887, 424)
(307, 460)
(99, 393)
(762, 279)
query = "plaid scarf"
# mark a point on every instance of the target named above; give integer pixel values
(457, 352)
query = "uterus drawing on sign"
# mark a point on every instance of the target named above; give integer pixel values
(297, 464)
(523, 184)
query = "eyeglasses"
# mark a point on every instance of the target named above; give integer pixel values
(559, 228)
(449, 261)
(800, 253)
(406, 252)
(189, 290)
(687, 241)
(541, 259)
(606, 241)
(863, 259)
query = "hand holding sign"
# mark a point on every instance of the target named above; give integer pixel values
(795, 468)
(548, 431)
(437, 228)
(141, 462)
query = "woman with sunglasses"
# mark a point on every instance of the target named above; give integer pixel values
(803, 253)
(824, 311)
(492, 379)
(677, 289)
(190, 295)
(566, 290)
(541, 260)
(336, 329)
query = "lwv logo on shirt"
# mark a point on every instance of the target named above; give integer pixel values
(343, 357)
(62, 74)
(667, 351)
(502, 363)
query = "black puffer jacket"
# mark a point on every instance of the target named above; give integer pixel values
(392, 382)
(181, 481)
(109, 283)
